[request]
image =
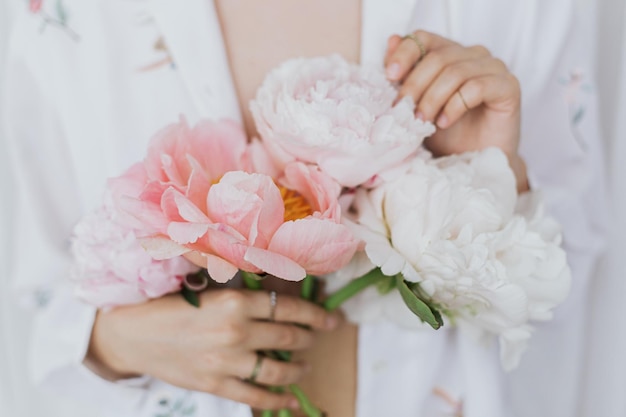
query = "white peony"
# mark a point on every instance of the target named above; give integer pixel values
(337, 115)
(489, 261)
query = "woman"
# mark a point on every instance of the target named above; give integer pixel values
(96, 79)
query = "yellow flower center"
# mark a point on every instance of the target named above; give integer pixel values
(296, 206)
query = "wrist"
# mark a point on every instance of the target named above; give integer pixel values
(102, 357)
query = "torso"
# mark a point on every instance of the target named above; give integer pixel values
(259, 36)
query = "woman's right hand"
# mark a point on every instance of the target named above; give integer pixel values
(211, 349)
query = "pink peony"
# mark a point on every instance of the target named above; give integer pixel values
(111, 268)
(337, 115)
(196, 198)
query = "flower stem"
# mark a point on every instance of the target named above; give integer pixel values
(308, 284)
(305, 404)
(252, 281)
(267, 413)
(354, 287)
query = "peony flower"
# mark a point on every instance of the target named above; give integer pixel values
(338, 116)
(196, 199)
(112, 269)
(452, 225)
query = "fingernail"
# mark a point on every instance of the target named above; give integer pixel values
(393, 71)
(442, 121)
(420, 115)
(294, 404)
(331, 322)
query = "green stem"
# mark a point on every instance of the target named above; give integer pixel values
(354, 287)
(285, 413)
(267, 413)
(308, 284)
(252, 281)
(305, 404)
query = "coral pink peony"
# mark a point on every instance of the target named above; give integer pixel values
(192, 195)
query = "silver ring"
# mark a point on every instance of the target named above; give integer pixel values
(257, 368)
(463, 100)
(419, 43)
(273, 302)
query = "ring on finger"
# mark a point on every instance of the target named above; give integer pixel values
(463, 100)
(419, 43)
(257, 368)
(273, 303)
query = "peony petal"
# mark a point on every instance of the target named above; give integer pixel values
(275, 264)
(185, 233)
(320, 246)
(162, 247)
(219, 269)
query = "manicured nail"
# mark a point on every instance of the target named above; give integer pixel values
(420, 115)
(393, 71)
(331, 322)
(442, 121)
(294, 404)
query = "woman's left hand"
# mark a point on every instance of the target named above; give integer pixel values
(471, 96)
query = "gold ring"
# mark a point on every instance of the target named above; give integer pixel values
(257, 368)
(419, 43)
(463, 100)
(273, 302)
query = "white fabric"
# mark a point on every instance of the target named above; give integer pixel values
(605, 380)
(80, 112)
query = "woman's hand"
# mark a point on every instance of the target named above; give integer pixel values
(213, 348)
(471, 96)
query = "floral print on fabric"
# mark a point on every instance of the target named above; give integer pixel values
(183, 406)
(577, 88)
(57, 16)
(455, 407)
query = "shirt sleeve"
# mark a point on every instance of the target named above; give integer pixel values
(47, 208)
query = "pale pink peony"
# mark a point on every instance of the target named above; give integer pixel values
(338, 116)
(112, 269)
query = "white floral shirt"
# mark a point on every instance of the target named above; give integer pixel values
(89, 81)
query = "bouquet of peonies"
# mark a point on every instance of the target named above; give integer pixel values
(339, 186)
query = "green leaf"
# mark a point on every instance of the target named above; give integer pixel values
(61, 12)
(191, 297)
(417, 306)
(335, 300)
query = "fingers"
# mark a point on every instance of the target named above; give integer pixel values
(441, 90)
(450, 60)
(271, 372)
(407, 52)
(275, 336)
(498, 89)
(256, 397)
(292, 310)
